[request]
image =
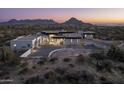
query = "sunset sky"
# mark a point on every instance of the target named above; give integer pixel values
(91, 15)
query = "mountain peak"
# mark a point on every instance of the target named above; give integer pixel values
(73, 18)
(73, 21)
(12, 20)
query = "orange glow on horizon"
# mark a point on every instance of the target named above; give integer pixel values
(95, 20)
(105, 20)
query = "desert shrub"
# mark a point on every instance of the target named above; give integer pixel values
(3, 73)
(7, 77)
(24, 64)
(45, 59)
(102, 62)
(80, 59)
(34, 80)
(34, 67)
(81, 77)
(67, 59)
(41, 62)
(116, 53)
(121, 68)
(60, 70)
(60, 78)
(98, 56)
(71, 65)
(105, 65)
(51, 77)
(21, 78)
(52, 60)
(104, 80)
(90, 61)
(71, 78)
(23, 71)
(8, 56)
(87, 77)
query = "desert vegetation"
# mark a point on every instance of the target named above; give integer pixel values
(106, 66)
(95, 68)
(9, 32)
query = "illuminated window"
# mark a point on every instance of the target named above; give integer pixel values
(14, 45)
(71, 40)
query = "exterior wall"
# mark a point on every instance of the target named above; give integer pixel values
(88, 36)
(26, 44)
(34, 44)
(72, 41)
(38, 41)
(21, 45)
(44, 40)
(55, 41)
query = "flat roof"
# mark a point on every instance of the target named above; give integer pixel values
(87, 32)
(63, 37)
(56, 32)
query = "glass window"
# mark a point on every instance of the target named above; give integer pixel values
(29, 45)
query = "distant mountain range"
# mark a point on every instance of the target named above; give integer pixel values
(71, 21)
(28, 21)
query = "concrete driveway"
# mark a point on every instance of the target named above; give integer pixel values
(88, 45)
(43, 51)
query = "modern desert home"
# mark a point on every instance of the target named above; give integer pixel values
(67, 37)
(23, 43)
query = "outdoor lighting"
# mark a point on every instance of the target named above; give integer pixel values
(51, 36)
(71, 40)
(14, 45)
